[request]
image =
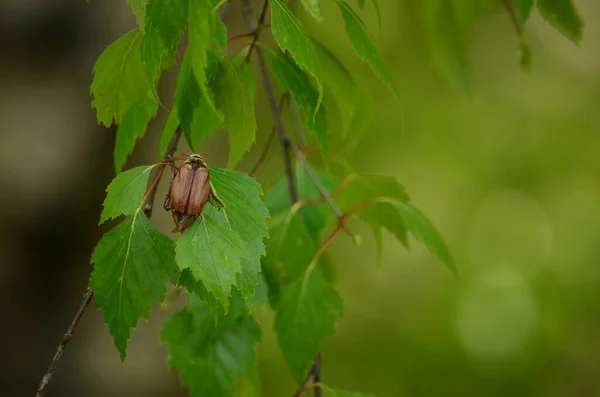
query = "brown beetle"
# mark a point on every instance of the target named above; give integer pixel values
(189, 192)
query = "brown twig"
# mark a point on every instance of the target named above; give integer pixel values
(87, 298)
(170, 150)
(284, 140)
(257, 27)
(263, 156)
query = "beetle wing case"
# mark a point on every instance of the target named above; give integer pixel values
(200, 191)
(180, 187)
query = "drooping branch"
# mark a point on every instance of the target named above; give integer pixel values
(85, 301)
(89, 294)
(284, 138)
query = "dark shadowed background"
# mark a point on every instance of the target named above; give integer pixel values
(510, 174)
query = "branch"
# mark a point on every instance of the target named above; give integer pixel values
(257, 27)
(518, 26)
(170, 150)
(282, 102)
(87, 298)
(89, 294)
(284, 139)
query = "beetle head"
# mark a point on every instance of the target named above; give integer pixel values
(196, 159)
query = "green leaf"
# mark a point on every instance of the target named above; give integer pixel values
(360, 189)
(250, 386)
(120, 79)
(196, 287)
(205, 121)
(133, 127)
(444, 36)
(306, 315)
(211, 356)
(168, 18)
(234, 99)
(375, 3)
(139, 10)
(423, 230)
(218, 31)
(187, 97)
(199, 39)
(563, 15)
(327, 392)
(132, 264)
(363, 44)
(125, 193)
(525, 7)
(315, 216)
(212, 252)
(292, 79)
(342, 85)
(169, 129)
(390, 208)
(289, 34)
(313, 8)
(247, 215)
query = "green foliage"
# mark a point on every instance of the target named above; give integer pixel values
(381, 202)
(139, 10)
(363, 44)
(247, 215)
(347, 95)
(223, 248)
(313, 7)
(525, 7)
(212, 251)
(199, 38)
(289, 34)
(211, 355)
(224, 260)
(167, 18)
(293, 80)
(119, 79)
(132, 264)
(563, 16)
(231, 90)
(133, 127)
(168, 131)
(375, 3)
(187, 97)
(327, 392)
(444, 36)
(125, 193)
(306, 315)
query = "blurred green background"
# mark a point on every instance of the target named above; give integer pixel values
(508, 171)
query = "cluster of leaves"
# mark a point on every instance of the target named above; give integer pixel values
(225, 262)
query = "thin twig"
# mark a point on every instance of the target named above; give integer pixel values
(284, 139)
(297, 125)
(87, 298)
(170, 150)
(257, 28)
(263, 156)
(518, 26)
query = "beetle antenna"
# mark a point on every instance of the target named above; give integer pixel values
(176, 158)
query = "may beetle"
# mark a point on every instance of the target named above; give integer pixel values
(189, 192)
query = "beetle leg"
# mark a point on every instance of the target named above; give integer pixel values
(214, 199)
(167, 204)
(176, 219)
